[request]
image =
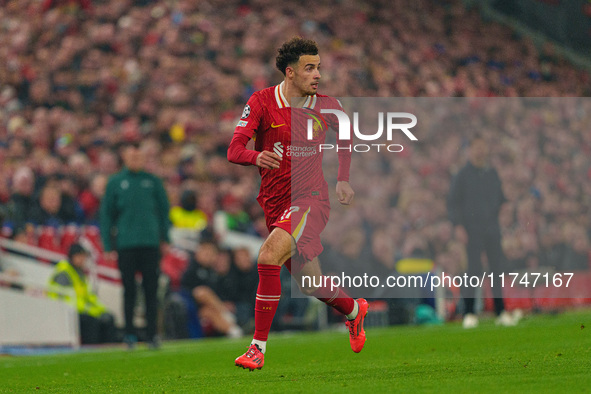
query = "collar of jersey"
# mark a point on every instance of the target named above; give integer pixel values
(283, 103)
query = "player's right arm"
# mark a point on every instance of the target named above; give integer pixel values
(245, 130)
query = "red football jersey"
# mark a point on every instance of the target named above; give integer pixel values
(276, 127)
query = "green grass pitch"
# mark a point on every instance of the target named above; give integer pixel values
(542, 354)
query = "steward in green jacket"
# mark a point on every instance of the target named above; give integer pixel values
(134, 228)
(68, 283)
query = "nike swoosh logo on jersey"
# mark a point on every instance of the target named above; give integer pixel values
(273, 125)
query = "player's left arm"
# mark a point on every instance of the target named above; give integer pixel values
(345, 192)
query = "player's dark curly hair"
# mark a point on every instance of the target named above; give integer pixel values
(291, 50)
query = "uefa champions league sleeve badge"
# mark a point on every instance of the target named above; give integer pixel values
(246, 112)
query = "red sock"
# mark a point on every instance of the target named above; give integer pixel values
(267, 299)
(337, 298)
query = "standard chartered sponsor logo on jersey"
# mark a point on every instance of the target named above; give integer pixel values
(301, 151)
(294, 151)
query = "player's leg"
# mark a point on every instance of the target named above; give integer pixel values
(317, 285)
(307, 224)
(331, 295)
(274, 252)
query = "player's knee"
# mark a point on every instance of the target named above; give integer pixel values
(307, 285)
(267, 257)
(308, 290)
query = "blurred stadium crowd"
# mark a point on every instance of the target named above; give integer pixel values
(78, 78)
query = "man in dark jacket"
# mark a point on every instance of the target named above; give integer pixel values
(474, 202)
(134, 228)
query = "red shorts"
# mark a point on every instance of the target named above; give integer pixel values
(305, 219)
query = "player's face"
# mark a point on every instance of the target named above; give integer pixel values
(306, 74)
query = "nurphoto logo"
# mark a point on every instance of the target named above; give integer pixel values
(392, 124)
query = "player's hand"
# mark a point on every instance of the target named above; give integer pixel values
(345, 193)
(268, 160)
